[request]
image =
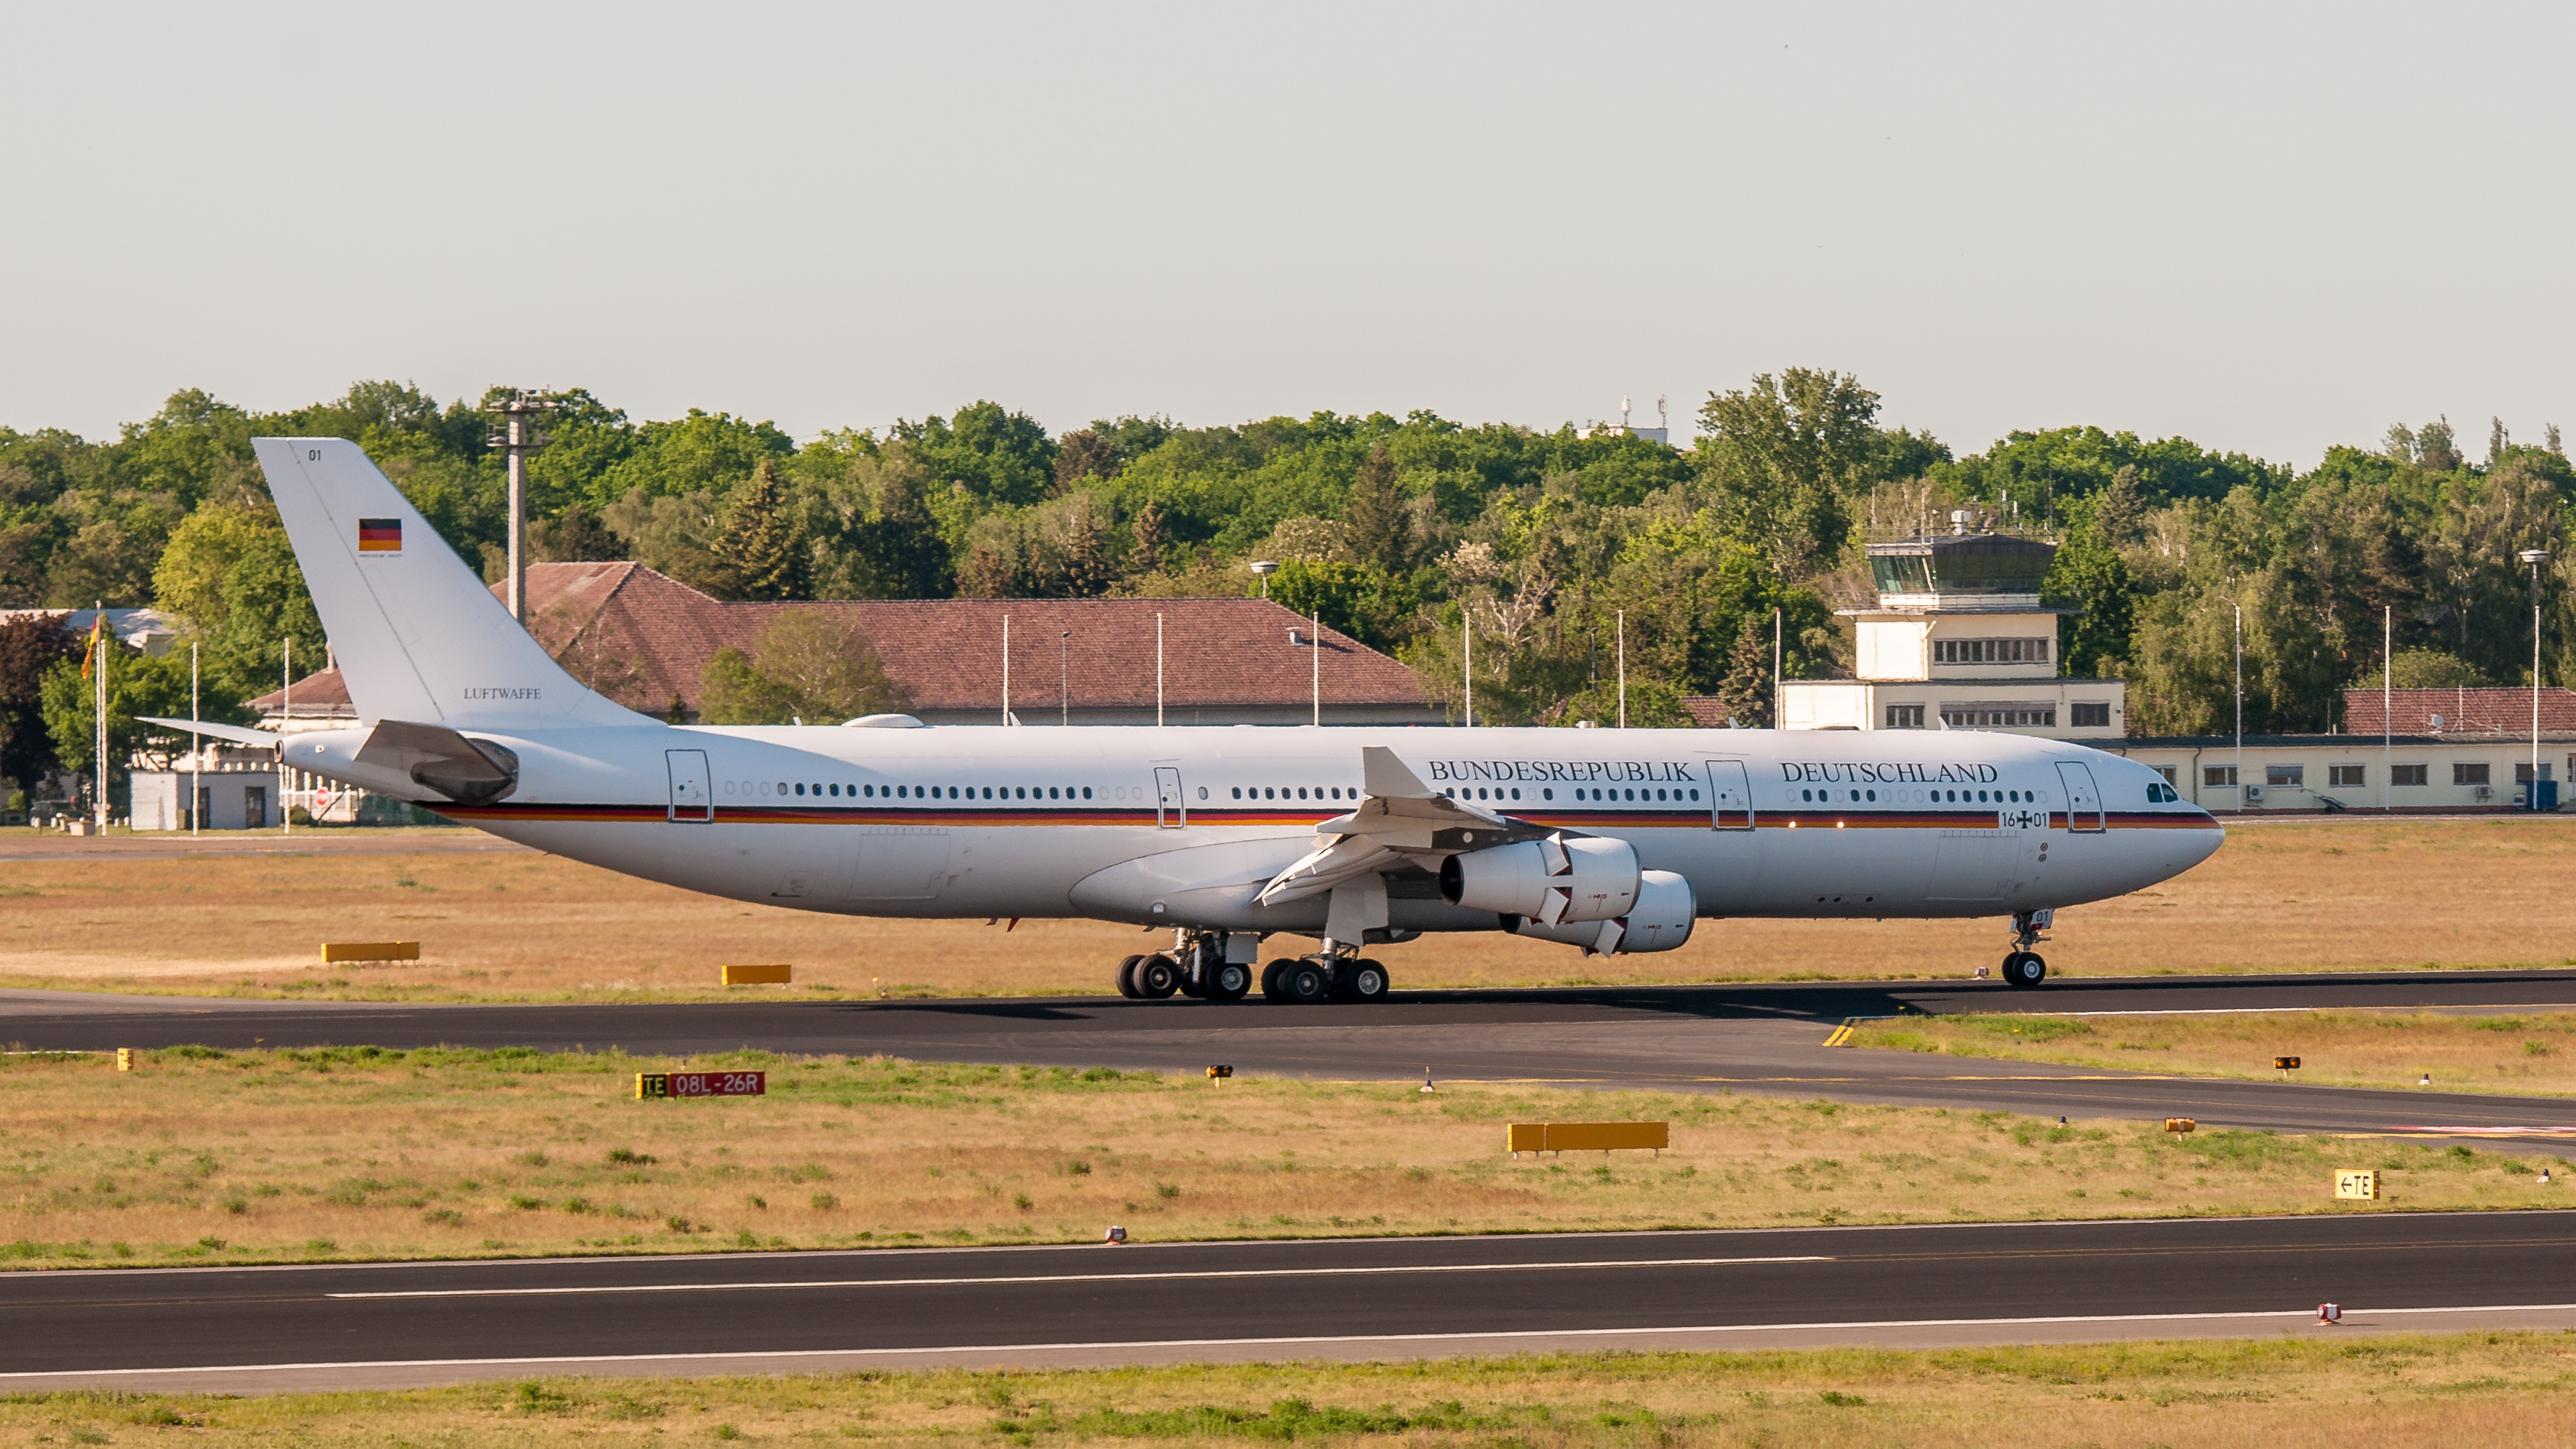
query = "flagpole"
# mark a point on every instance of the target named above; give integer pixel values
(98, 654)
(285, 720)
(196, 750)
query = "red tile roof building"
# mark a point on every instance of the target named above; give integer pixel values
(2456, 711)
(644, 639)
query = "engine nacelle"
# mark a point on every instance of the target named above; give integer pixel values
(1548, 881)
(1660, 921)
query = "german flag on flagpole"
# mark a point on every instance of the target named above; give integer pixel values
(97, 632)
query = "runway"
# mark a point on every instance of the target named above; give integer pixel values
(1753, 1038)
(392, 1325)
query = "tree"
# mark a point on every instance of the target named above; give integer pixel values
(1150, 539)
(137, 684)
(2427, 669)
(1747, 690)
(1376, 520)
(998, 456)
(231, 575)
(1780, 457)
(810, 663)
(763, 542)
(574, 536)
(1085, 453)
(30, 646)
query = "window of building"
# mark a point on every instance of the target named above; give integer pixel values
(1990, 651)
(2348, 776)
(2168, 771)
(2000, 719)
(2406, 774)
(2469, 774)
(2293, 777)
(2522, 773)
(2091, 716)
(1905, 716)
(2218, 775)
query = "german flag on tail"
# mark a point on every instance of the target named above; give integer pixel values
(379, 535)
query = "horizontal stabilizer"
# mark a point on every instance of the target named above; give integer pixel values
(238, 734)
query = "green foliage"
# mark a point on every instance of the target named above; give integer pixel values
(1409, 533)
(810, 665)
(137, 684)
(1361, 600)
(231, 577)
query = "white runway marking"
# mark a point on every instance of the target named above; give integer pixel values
(1066, 1278)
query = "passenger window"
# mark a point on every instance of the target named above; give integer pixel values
(1547, 794)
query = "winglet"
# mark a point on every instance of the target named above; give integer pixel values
(1385, 776)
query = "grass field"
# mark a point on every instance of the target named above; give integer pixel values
(2281, 896)
(358, 1153)
(2495, 1390)
(2533, 1053)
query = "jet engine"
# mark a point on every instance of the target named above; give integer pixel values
(1660, 921)
(1548, 881)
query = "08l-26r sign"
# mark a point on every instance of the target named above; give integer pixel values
(700, 1084)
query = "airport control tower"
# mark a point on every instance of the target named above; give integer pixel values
(1960, 638)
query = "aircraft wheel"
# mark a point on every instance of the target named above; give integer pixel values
(1271, 989)
(1304, 983)
(1126, 978)
(1157, 976)
(2024, 968)
(1364, 981)
(1228, 982)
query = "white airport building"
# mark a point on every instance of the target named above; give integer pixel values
(1959, 639)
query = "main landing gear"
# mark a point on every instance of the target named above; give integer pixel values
(2024, 966)
(1195, 966)
(1332, 974)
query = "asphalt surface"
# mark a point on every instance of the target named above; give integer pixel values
(1756, 1038)
(1350, 1298)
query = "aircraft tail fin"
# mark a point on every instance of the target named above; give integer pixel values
(417, 634)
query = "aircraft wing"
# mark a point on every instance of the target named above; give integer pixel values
(1399, 821)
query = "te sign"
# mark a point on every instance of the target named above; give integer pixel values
(700, 1084)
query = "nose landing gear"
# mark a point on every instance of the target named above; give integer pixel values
(2024, 967)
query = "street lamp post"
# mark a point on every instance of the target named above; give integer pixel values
(2535, 557)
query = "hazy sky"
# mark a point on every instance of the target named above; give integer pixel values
(2268, 229)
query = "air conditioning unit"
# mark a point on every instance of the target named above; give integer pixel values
(2484, 792)
(2253, 793)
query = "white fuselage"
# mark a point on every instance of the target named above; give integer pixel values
(1183, 826)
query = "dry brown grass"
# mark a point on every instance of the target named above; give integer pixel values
(362, 1153)
(2533, 1053)
(2281, 896)
(2497, 1390)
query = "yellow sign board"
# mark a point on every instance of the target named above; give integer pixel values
(1522, 1137)
(2357, 1186)
(337, 951)
(757, 975)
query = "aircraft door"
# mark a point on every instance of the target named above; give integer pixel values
(1730, 796)
(690, 797)
(2083, 802)
(1169, 811)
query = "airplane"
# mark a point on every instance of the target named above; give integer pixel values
(1609, 841)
